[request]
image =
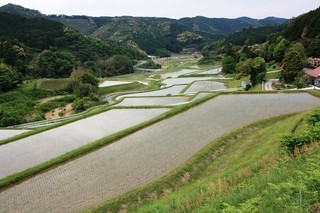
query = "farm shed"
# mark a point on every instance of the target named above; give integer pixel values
(315, 74)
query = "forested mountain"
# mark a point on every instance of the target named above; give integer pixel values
(154, 35)
(19, 10)
(227, 26)
(46, 48)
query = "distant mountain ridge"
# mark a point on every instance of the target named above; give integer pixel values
(151, 34)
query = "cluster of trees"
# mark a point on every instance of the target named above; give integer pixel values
(253, 67)
(288, 45)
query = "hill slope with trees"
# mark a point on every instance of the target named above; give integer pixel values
(152, 35)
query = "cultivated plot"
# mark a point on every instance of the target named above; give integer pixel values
(213, 71)
(8, 133)
(176, 81)
(153, 101)
(205, 86)
(113, 83)
(174, 90)
(31, 151)
(145, 155)
(177, 74)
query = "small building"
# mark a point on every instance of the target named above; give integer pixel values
(315, 74)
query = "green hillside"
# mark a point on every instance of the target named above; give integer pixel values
(152, 34)
(45, 48)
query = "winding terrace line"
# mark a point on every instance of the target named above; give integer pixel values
(145, 155)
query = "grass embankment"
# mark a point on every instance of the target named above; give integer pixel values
(122, 88)
(18, 177)
(224, 165)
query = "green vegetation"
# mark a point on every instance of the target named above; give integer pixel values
(53, 84)
(9, 78)
(287, 46)
(311, 134)
(122, 88)
(273, 75)
(45, 48)
(18, 106)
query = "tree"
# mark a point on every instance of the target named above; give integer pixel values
(83, 83)
(258, 70)
(117, 65)
(293, 63)
(228, 65)
(280, 48)
(313, 48)
(8, 78)
(255, 68)
(57, 64)
(294, 60)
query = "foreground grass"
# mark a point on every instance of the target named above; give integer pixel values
(239, 153)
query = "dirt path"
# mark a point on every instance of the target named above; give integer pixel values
(146, 155)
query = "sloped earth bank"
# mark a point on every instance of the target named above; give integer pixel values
(31, 151)
(145, 155)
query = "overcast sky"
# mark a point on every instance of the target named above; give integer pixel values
(172, 8)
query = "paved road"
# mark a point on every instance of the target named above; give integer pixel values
(146, 155)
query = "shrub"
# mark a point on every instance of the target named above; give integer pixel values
(291, 141)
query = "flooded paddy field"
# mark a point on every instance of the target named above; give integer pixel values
(113, 83)
(152, 101)
(205, 86)
(174, 90)
(31, 151)
(175, 81)
(145, 155)
(178, 73)
(8, 133)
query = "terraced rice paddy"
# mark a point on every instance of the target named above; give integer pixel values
(213, 71)
(174, 90)
(8, 133)
(153, 101)
(176, 81)
(177, 74)
(205, 86)
(33, 150)
(112, 83)
(145, 155)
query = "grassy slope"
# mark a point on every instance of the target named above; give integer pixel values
(237, 178)
(248, 177)
(238, 154)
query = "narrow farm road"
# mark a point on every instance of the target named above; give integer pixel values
(145, 155)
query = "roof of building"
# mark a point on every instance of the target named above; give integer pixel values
(315, 73)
